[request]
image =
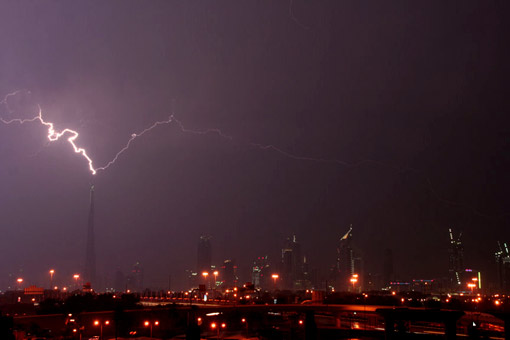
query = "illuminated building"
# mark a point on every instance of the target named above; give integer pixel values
(503, 268)
(229, 274)
(192, 277)
(90, 257)
(260, 276)
(345, 262)
(423, 286)
(307, 277)
(471, 280)
(399, 286)
(286, 271)
(292, 265)
(456, 261)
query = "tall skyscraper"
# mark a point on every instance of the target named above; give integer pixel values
(455, 260)
(345, 261)
(90, 256)
(229, 274)
(119, 283)
(135, 278)
(292, 265)
(260, 275)
(387, 267)
(286, 270)
(204, 254)
(503, 268)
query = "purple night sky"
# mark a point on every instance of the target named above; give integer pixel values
(418, 88)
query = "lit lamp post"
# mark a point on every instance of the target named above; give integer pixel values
(215, 273)
(275, 277)
(215, 327)
(76, 278)
(19, 281)
(472, 286)
(223, 326)
(52, 271)
(100, 324)
(205, 275)
(150, 324)
(354, 280)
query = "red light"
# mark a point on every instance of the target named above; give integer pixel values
(213, 325)
(300, 322)
(243, 320)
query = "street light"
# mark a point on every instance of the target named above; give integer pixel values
(19, 281)
(76, 277)
(100, 324)
(353, 280)
(205, 274)
(275, 277)
(52, 271)
(148, 323)
(215, 273)
(472, 286)
(214, 326)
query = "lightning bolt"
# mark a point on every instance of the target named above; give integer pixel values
(54, 135)
(428, 181)
(156, 124)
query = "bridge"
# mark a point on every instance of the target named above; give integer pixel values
(305, 321)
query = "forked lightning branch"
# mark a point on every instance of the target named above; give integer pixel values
(72, 136)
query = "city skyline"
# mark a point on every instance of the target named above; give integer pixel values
(293, 272)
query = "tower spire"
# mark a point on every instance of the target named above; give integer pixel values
(90, 257)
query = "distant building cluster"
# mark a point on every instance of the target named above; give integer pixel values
(289, 272)
(292, 271)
